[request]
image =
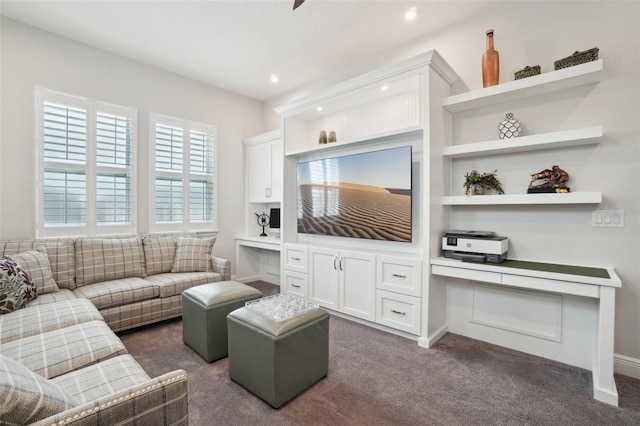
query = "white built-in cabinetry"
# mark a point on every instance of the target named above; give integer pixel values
(399, 292)
(343, 280)
(383, 289)
(264, 168)
(258, 257)
(378, 282)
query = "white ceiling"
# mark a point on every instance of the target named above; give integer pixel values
(237, 45)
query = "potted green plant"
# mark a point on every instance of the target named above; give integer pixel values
(476, 183)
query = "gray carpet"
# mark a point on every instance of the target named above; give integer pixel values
(376, 378)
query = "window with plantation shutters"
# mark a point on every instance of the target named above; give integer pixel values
(184, 174)
(86, 166)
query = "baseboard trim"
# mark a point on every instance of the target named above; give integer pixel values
(427, 342)
(626, 366)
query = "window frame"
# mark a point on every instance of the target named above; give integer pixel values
(90, 167)
(185, 175)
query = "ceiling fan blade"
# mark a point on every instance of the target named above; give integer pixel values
(297, 3)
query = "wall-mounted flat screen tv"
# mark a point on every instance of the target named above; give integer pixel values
(365, 195)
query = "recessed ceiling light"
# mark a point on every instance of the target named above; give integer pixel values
(411, 14)
(319, 108)
(385, 87)
(275, 78)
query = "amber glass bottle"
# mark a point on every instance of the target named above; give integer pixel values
(490, 63)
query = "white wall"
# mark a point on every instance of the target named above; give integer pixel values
(538, 33)
(31, 58)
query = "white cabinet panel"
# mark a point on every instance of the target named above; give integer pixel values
(296, 257)
(324, 285)
(296, 283)
(398, 311)
(357, 284)
(264, 172)
(343, 280)
(400, 275)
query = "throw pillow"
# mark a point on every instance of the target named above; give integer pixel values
(36, 263)
(28, 397)
(16, 286)
(159, 252)
(193, 255)
(107, 259)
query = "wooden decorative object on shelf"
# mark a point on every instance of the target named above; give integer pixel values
(577, 58)
(527, 72)
(490, 63)
(549, 180)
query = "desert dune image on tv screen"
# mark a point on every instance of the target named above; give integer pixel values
(364, 195)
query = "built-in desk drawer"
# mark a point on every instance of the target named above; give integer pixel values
(296, 258)
(296, 283)
(398, 311)
(400, 275)
(469, 274)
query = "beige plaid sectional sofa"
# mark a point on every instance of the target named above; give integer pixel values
(60, 359)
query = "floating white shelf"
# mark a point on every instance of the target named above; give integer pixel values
(566, 138)
(523, 199)
(565, 78)
(414, 131)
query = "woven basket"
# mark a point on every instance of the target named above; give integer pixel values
(527, 72)
(577, 58)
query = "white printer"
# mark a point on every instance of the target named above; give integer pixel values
(475, 246)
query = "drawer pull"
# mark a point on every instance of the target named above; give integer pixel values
(399, 275)
(295, 258)
(295, 285)
(398, 312)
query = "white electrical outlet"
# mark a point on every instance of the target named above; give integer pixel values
(607, 218)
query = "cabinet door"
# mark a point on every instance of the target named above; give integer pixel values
(258, 173)
(357, 284)
(324, 277)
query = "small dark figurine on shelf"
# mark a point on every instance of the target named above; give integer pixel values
(263, 220)
(549, 180)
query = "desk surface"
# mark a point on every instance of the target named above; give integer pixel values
(604, 276)
(585, 271)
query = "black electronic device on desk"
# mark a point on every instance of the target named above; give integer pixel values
(475, 246)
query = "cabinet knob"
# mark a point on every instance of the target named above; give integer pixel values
(399, 275)
(398, 312)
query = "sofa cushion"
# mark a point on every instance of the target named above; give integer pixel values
(60, 253)
(106, 259)
(28, 397)
(193, 255)
(51, 316)
(102, 379)
(175, 283)
(16, 286)
(62, 294)
(141, 313)
(109, 294)
(36, 263)
(60, 351)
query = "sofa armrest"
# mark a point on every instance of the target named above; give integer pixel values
(162, 401)
(222, 266)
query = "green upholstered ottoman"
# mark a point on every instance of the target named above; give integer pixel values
(278, 360)
(204, 315)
